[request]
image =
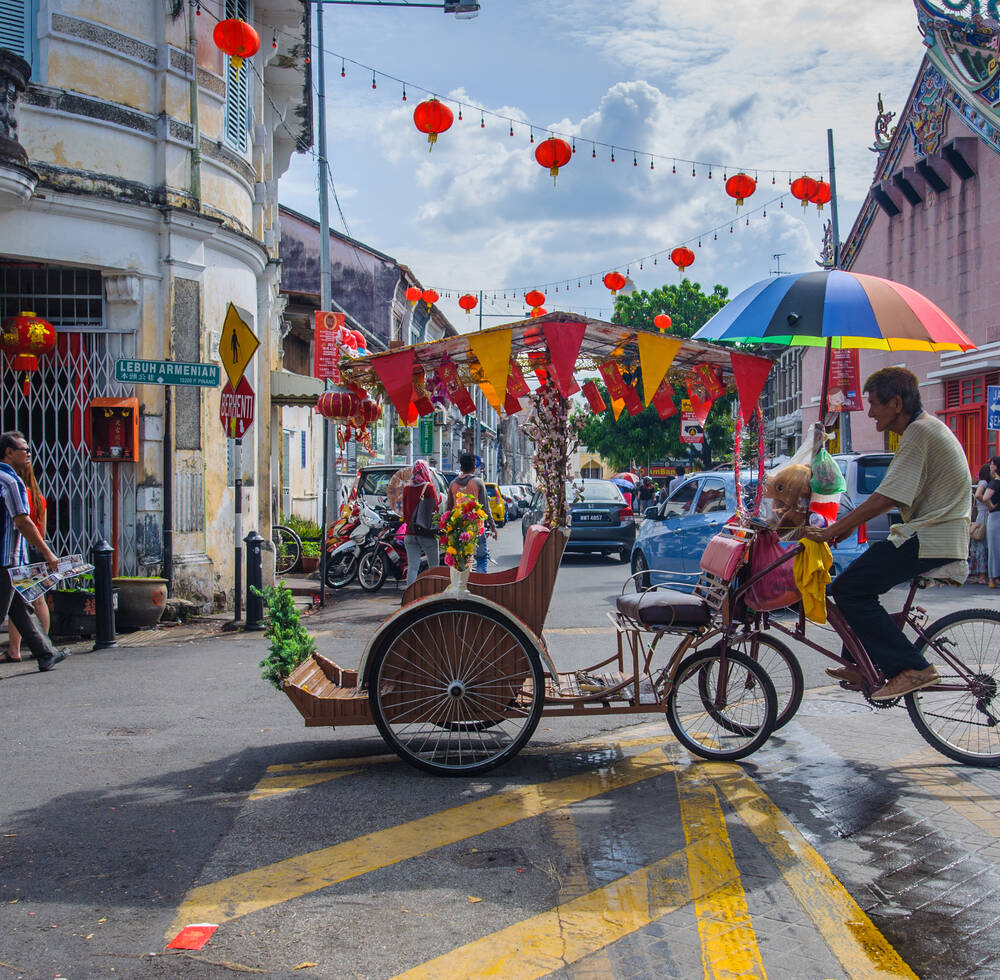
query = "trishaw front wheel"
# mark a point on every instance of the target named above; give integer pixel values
(960, 716)
(456, 689)
(721, 706)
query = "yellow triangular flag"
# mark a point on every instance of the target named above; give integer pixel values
(656, 354)
(492, 350)
(490, 393)
(617, 406)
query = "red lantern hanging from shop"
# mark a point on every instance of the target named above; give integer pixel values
(25, 337)
(432, 117)
(369, 411)
(413, 295)
(553, 153)
(740, 187)
(236, 38)
(662, 322)
(429, 296)
(539, 311)
(338, 404)
(468, 302)
(803, 188)
(614, 281)
(682, 257)
(822, 195)
(535, 298)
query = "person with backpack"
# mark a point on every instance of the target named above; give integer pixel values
(468, 482)
(420, 506)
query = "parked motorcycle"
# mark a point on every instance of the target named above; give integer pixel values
(386, 556)
(345, 546)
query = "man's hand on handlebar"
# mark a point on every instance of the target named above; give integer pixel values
(830, 535)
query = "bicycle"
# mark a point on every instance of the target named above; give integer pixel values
(287, 548)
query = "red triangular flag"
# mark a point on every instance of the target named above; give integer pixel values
(563, 341)
(395, 371)
(750, 373)
(510, 404)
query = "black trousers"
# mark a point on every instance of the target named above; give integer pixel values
(23, 617)
(856, 589)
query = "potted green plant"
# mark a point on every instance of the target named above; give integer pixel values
(72, 607)
(310, 556)
(309, 534)
(141, 599)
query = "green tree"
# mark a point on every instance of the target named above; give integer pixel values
(645, 437)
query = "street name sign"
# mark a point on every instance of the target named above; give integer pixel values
(167, 373)
(236, 408)
(237, 343)
(993, 406)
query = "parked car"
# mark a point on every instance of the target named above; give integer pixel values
(675, 532)
(373, 482)
(863, 473)
(599, 519)
(497, 507)
(513, 501)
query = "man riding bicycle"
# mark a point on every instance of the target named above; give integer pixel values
(928, 481)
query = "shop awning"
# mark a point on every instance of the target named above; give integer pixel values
(294, 389)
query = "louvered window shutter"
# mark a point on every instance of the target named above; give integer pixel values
(14, 26)
(237, 88)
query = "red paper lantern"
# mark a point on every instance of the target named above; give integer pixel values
(614, 281)
(432, 117)
(539, 311)
(803, 188)
(822, 195)
(740, 186)
(370, 411)
(533, 337)
(338, 404)
(25, 337)
(468, 302)
(429, 296)
(682, 257)
(662, 322)
(553, 153)
(535, 298)
(236, 38)
(413, 294)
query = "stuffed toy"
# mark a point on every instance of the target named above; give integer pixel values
(787, 492)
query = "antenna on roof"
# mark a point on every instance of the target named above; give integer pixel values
(777, 261)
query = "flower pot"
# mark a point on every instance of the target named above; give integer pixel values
(309, 565)
(73, 612)
(140, 602)
(459, 580)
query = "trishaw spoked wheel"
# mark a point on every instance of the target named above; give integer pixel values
(721, 708)
(457, 689)
(782, 666)
(960, 716)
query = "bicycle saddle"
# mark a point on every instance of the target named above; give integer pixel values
(663, 608)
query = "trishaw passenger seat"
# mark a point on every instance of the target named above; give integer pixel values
(662, 608)
(534, 540)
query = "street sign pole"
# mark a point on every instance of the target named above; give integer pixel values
(238, 528)
(168, 490)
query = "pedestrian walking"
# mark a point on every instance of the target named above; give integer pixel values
(16, 532)
(420, 505)
(468, 482)
(647, 493)
(991, 497)
(978, 563)
(36, 511)
(680, 473)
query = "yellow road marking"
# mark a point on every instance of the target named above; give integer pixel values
(564, 935)
(928, 769)
(728, 941)
(852, 937)
(275, 785)
(279, 882)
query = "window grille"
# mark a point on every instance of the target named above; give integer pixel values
(14, 27)
(237, 121)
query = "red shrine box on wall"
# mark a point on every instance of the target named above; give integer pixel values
(114, 430)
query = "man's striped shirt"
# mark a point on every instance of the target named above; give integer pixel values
(14, 501)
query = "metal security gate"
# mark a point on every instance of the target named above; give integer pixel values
(53, 416)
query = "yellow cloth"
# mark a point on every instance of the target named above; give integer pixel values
(811, 567)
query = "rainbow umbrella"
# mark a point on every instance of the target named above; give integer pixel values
(835, 309)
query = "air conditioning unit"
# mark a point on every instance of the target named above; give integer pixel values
(439, 419)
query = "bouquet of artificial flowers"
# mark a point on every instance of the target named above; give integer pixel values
(460, 530)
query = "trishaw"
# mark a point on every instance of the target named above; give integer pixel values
(457, 680)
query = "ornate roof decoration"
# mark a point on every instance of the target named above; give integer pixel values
(883, 135)
(928, 121)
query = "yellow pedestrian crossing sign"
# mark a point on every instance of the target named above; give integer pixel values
(237, 345)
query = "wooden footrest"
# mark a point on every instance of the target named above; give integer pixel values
(326, 694)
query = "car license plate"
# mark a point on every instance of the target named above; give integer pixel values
(590, 517)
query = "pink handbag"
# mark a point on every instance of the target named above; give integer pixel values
(722, 556)
(777, 588)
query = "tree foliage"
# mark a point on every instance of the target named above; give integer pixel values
(645, 437)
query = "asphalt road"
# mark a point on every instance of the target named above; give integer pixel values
(150, 787)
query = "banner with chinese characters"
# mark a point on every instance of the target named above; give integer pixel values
(844, 392)
(326, 346)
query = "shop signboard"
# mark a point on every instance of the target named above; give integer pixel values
(326, 349)
(692, 426)
(844, 393)
(425, 444)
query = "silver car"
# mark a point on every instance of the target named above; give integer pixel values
(863, 473)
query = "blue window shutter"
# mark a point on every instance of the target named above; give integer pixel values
(14, 27)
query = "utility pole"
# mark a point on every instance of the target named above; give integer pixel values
(845, 417)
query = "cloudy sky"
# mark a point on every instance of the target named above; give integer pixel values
(742, 84)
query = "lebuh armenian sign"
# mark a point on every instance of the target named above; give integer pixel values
(167, 373)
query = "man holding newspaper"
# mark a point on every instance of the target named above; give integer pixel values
(16, 528)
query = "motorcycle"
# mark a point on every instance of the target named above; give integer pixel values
(345, 547)
(386, 556)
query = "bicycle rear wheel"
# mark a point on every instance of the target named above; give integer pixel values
(960, 716)
(721, 709)
(287, 548)
(782, 666)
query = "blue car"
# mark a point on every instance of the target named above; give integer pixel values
(674, 533)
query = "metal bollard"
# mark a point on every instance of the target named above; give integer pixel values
(104, 597)
(255, 580)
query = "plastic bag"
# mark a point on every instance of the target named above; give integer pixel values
(777, 588)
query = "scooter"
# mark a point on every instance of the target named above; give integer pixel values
(342, 558)
(386, 556)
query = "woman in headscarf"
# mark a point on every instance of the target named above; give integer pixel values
(420, 507)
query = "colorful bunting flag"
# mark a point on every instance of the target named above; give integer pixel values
(710, 377)
(593, 395)
(395, 371)
(516, 385)
(563, 341)
(663, 400)
(492, 350)
(656, 354)
(750, 373)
